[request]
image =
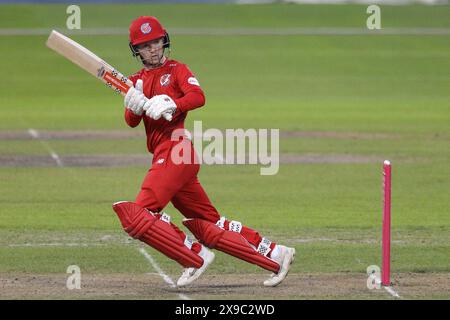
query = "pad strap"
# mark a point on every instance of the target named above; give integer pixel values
(233, 225)
(264, 246)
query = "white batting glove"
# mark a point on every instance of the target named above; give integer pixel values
(160, 106)
(135, 98)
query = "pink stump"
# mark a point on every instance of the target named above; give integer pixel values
(386, 241)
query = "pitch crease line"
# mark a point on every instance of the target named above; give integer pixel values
(35, 135)
(392, 292)
(161, 273)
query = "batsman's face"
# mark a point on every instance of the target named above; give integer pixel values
(151, 51)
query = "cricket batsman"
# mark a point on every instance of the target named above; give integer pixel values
(164, 91)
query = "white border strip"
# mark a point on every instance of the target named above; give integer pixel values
(161, 273)
(35, 135)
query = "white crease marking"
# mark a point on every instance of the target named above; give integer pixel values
(161, 273)
(35, 135)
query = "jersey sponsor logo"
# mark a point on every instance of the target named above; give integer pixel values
(165, 79)
(194, 81)
(145, 28)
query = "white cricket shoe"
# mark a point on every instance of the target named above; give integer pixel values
(191, 274)
(284, 259)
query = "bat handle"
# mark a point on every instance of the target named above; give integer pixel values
(167, 116)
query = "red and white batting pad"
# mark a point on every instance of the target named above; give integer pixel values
(229, 242)
(157, 233)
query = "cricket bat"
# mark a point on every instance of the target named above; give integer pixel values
(89, 61)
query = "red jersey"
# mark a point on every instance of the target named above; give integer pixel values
(175, 80)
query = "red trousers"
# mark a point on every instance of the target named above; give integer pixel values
(178, 183)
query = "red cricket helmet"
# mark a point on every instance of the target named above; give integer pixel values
(146, 28)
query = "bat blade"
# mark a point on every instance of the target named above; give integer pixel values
(88, 61)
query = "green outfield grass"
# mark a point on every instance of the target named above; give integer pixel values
(389, 84)
(225, 15)
(390, 94)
